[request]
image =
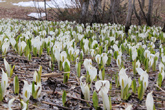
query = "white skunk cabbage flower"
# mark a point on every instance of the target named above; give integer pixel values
(93, 52)
(151, 60)
(12, 41)
(102, 86)
(21, 46)
(104, 58)
(57, 54)
(149, 101)
(134, 53)
(24, 105)
(85, 89)
(123, 79)
(115, 47)
(70, 50)
(10, 103)
(7, 67)
(138, 64)
(147, 53)
(63, 56)
(94, 43)
(26, 91)
(143, 77)
(86, 48)
(163, 58)
(39, 88)
(5, 47)
(76, 52)
(4, 82)
(35, 76)
(118, 60)
(161, 67)
(92, 72)
(63, 64)
(87, 63)
(98, 58)
(100, 74)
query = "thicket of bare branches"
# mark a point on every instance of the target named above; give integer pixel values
(103, 11)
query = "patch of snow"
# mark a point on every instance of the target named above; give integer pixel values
(37, 15)
(2, 1)
(52, 4)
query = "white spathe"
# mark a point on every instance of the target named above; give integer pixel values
(102, 86)
(63, 64)
(87, 63)
(26, 91)
(85, 89)
(143, 77)
(92, 72)
(98, 58)
(10, 103)
(149, 101)
(104, 58)
(24, 105)
(4, 82)
(123, 78)
(5, 47)
(7, 67)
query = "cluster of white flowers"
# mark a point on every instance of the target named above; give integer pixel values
(66, 41)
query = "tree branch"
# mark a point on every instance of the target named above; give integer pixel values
(142, 10)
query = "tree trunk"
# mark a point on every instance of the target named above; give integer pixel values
(149, 15)
(142, 4)
(45, 10)
(115, 4)
(97, 8)
(129, 16)
(137, 16)
(84, 10)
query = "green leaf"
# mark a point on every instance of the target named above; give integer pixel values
(125, 92)
(39, 73)
(159, 79)
(134, 86)
(110, 102)
(33, 90)
(64, 98)
(16, 85)
(103, 73)
(79, 69)
(95, 100)
(1, 93)
(11, 71)
(140, 91)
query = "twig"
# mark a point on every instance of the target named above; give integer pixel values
(57, 105)
(159, 88)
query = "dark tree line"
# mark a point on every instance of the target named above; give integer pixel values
(99, 11)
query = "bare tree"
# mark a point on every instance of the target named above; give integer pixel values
(97, 9)
(129, 16)
(45, 10)
(115, 4)
(142, 5)
(149, 14)
(137, 16)
(84, 10)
